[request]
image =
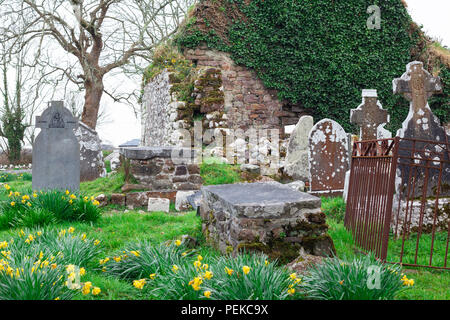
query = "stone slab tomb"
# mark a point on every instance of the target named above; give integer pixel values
(56, 151)
(328, 157)
(163, 168)
(267, 217)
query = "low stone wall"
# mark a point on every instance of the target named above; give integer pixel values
(442, 215)
(267, 217)
(155, 170)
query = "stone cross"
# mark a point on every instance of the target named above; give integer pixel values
(56, 151)
(369, 115)
(417, 85)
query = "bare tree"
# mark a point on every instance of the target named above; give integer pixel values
(99, 35)
(21, 89)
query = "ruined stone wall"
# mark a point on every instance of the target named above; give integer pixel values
(247, 102)
(224, 95)
(160, 112)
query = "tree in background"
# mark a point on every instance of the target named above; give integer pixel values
(99, 35)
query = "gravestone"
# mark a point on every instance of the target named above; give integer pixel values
(92, 165)
(369, 115)
(417, 85)
(328, 157)
(296, 164)
(56, 151)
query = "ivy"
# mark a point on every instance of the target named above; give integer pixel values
(320, 53)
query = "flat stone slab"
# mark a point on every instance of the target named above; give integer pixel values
(146, 153)
(261, 194)
(268, 217)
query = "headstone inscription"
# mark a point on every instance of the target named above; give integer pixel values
(328, 157)
(369, 115)
(56, 151)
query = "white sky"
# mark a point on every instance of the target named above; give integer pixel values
(434, 15)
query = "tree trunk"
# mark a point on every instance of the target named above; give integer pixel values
(15, 148)
(94, 91)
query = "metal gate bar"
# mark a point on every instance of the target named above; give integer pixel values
(421, 166)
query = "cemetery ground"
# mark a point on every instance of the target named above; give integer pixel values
(116, 235)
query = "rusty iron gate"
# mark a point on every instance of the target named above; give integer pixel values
(398, 200)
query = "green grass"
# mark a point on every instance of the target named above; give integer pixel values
(107, 185)
(115, 230)
(213, 172)
(334, 207)
(429, 284)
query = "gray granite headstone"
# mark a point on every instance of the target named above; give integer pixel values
(56, 151)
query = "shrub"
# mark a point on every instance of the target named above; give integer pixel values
(44, 208)
(141, 259)
(334, 208)
(245, 277)
(264, 280)
(335, 279)
(42, 265)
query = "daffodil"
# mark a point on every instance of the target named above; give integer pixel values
(96, 291)
(207, 294)
(246, 269)
(208, 275)
(177, 243)
(175, 268)
(229, 271)
(139, 284)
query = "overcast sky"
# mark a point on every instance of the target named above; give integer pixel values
(434, 15)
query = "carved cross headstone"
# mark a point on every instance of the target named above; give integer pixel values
(369, 116)
(328, 156)
(56, 151)
(417, 85)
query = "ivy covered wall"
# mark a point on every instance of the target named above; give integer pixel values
(319, 54)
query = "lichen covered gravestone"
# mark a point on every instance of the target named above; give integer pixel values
(369, 116)
(56, 151)
(91, 155)
(297, 165)
(328, 157)
(417, 85)
(267, 217)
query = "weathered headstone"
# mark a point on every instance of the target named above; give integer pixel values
(296, 164)
(56, 151)
(417, 85)
(91, 155)
(328, 157)
(369, 115)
